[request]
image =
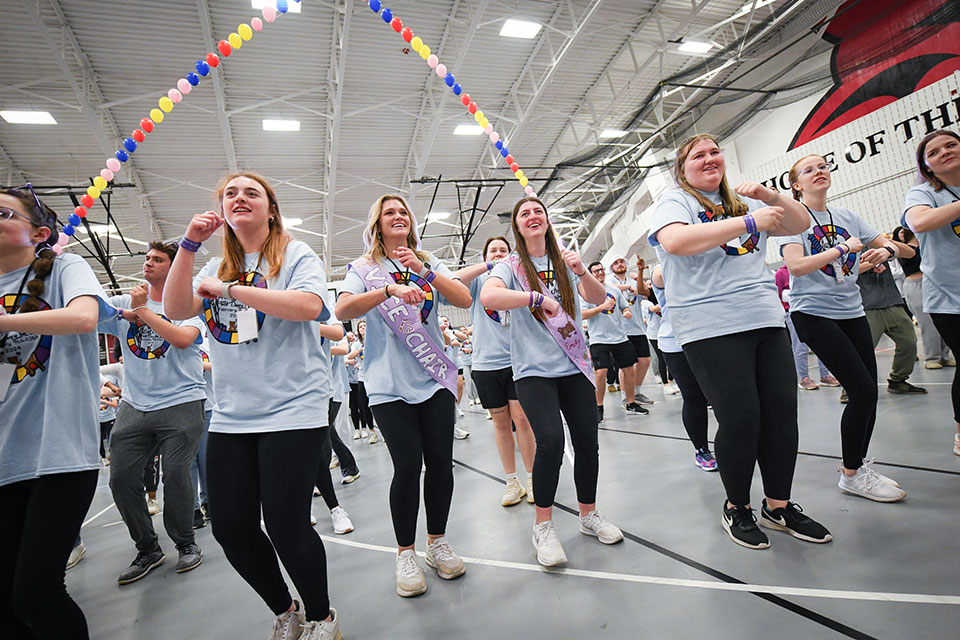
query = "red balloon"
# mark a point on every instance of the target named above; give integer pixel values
(514, 167)
(472, 107)
(86, 200)
(225, 48)
(213, 60)
(147, 125)
(138, 135)
(407, 34)
(397, 24)
(465, 99)
(80, 211)
(509, 159)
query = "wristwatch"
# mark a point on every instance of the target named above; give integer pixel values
(225, 289)
(890, 251)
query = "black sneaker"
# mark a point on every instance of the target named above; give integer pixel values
(599, 414)
(904, 387)
(198, 520)
(636, 407)
(741, 525)
(141, 566)
(792, 520)
(190, 557)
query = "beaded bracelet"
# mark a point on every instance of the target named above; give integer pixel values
(189, 244)
(750, 223)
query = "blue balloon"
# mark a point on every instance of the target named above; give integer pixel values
(74, 219)
(500, 146)
(130, 145)
(68, 229)
(457, 89)
(122, 155)
(193, 78)
(282, 6)
(504, 152)
(448, 79)
(375, 6)
(202, 67)
(387, 15)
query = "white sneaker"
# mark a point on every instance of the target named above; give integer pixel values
(545, 541)
(442, 557)
(316, 492)
(347, 479)
(374, 437)
(459, 412)
(671, 389)
(867, 483)
(76, 556)
(956, 444)
(594, 524)
(460, 434)
(288, 626)
(356, 434)
(410, 579)
(341, 521)
(489, 417)
(313, 519)
(514, 493)
(883, 478)
(334, 462)
(153, 506)
(323, 630)
(530, 490)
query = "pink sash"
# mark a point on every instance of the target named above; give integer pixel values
(562, 327)
(404, 320)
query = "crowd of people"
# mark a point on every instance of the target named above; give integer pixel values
(232, 379)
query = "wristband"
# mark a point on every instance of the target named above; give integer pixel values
(429, 276)
(386, 291)
(536, 299)
(892, 253)
(489, 266)
(580, 275)
(750, 223)
(530, 303)
(189, 245)
(844, 247)
(225, 289)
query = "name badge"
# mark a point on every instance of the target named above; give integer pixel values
(838, 271)
(247, 324)
(6, 376)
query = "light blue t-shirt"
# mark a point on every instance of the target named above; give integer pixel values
(279, 381)
(819, 293)
(653, 319)
(211, 402)
(453, 352)
(48, 419)
(533, 351)
(723, 290)
(666, 341)
(939, 251)
(466, 352)
(341, 386)
(326, 344)
(353, 370)
(491, 339)
(607, 326)
(157, 374)
(633, 326)
(359, 345)
(390, 370)
(107, 412)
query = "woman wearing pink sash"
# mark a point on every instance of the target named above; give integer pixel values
(411, 384)
(551, 367)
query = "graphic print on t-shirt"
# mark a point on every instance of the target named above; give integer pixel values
(825, 237)
(29, 352)
(221, 314)
(145, 343)
(412, 279)
(610, 311)
(546, 277)
(746, 246)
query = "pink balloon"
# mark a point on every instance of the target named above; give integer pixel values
(175, 96)
(441, 70)
(57, 249)
(489, 130)
(433, 61)
(494, 137)
(113, 164)
(269, 13)
(62, 239)
(106, 174)
(528, 190)
(257, 24)
(184, 86)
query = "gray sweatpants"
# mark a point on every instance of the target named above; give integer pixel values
(934, 348)
(177, 430)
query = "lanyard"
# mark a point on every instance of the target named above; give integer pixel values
(831, 239)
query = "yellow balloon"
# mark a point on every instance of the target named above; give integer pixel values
(93, 192)
(519, 173)
(156, 115)
(478, 116)
(245, 31)
(424, 52)
(99, 183)
(166, 104)
(484, 123)
(523, 181)
(416, 43)
(235, 40)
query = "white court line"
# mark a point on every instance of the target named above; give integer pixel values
(912, 598)
(110, 506)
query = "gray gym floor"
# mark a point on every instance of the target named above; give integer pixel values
(890, 572)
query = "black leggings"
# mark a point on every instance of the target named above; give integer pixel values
(105, 429)
(41, 522)
(665, 374)
(750, 380)
(694, 410)
(356, 415)
(348, 464)
(846, 348)
(543, 400)
(274, 472)
(419, 434)
(366, 414)
(948, 324)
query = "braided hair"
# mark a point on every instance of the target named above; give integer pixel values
(42, 216)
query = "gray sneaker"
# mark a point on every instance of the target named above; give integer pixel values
(190, 557)
(141, 566)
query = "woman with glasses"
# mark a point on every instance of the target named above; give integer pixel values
(726, 315)
(827, 312)
(49, 432)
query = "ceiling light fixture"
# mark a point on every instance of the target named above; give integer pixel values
(468, 130)
(28, 117)
(280, 125)
(612, 133)
(292, 7)
(513, 28)
(694, 46)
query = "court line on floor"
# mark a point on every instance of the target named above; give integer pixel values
(811, 454)
(100, 513)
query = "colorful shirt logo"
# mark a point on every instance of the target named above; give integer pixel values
(221, 314)
(546, 277)
(746, 246)
(824, 238)
(411, 279)
(609, 312)
(145, 343)
(29, 352)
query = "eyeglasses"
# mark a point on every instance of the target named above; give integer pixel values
(597, 271)
(7, 213)
(823, 166)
